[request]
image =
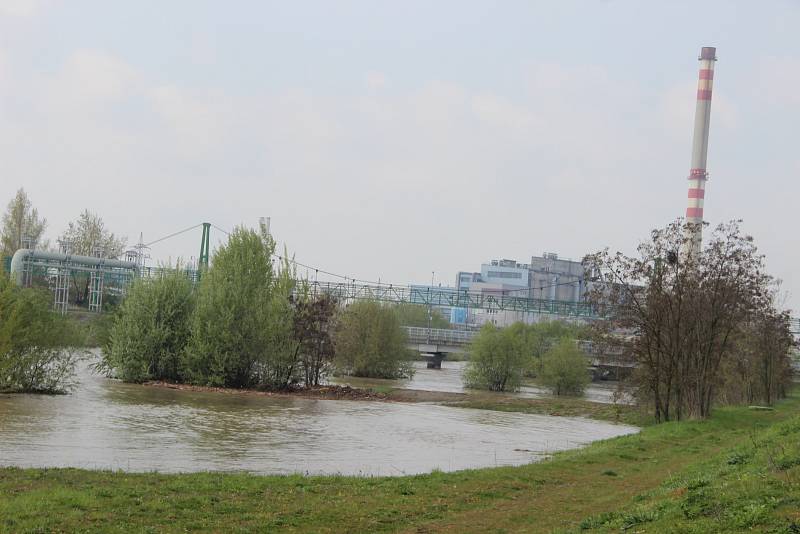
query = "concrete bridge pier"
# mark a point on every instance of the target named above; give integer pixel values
(434, 359)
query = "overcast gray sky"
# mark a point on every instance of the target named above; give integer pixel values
(395, 139)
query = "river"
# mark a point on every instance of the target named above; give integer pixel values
(105, 424)
(449, 379)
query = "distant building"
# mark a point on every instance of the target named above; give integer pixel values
(464, 280)
(546, 277)
(555, 278)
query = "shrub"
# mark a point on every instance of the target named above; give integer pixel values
(370, 342)
(564, 369)
(498, 359)
(37, 346)
(151, 330)
(419, 315)
(229, 328)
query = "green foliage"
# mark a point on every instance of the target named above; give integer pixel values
(498, 358)
(89, 231)
(543, 336)
(371, 343)
(278, 366)
(417, 315)
(149, 336)
(20, 221)
(36, 345)
(230, 330)
(564, 369)
(242, 328)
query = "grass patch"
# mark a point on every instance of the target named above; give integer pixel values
(737, 471)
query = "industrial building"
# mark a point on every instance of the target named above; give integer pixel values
(546, 277)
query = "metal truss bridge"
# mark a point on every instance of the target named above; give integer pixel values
(450, 297)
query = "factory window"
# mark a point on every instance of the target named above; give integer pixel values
(503, 274)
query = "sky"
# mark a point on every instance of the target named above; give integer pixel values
(401, 141)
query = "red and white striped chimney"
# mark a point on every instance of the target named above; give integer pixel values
(698, 174)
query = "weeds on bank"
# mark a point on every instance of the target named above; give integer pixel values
(754, 485)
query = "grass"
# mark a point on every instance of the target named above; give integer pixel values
(738, 471)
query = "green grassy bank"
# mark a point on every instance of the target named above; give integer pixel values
(738, 471)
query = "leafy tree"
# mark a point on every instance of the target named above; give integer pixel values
(564, 369)
(279, 365)
(498, 358)
(543, 336)
(37, 346)
(314, 327)
(148, 338)
(230, 329)
(20, 221)
(370, 342)
(88, 232)
(84, 235)
(418, 315)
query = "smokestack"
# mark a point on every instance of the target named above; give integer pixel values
(698, 174)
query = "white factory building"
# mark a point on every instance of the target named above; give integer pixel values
(546, 277)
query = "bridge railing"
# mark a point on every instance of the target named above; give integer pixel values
(439, 336)
(445, 296)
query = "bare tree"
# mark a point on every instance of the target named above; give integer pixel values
(679, 314)
(314, 327)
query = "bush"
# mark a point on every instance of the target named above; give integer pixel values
(36, 345)
(419, 315)
(543, 336)
(564, 369)
(371, 343)
(151, 330)
(230, 329)
(498, 359)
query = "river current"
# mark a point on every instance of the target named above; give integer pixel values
(105, 424)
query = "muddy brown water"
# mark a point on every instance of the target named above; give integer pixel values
(105, 424)
(449, 379)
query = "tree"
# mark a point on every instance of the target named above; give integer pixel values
(148, 338)
(279, 365)
(564, 369)
(419, 315)
(37, 346)
(21, 221)
(760, 369)
(85, 236)
(370, 342)
(498, 358)
(314, 327)
(88, 232)
(543, 336)
(230, 326)
(679, 313)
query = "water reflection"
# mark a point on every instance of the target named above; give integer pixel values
(449, 379)
(110, 425)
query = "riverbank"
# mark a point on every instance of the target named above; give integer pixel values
(740, 470)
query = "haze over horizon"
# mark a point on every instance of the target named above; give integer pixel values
(394, 142)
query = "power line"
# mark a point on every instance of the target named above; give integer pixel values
(316, 270)
(173, 235)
